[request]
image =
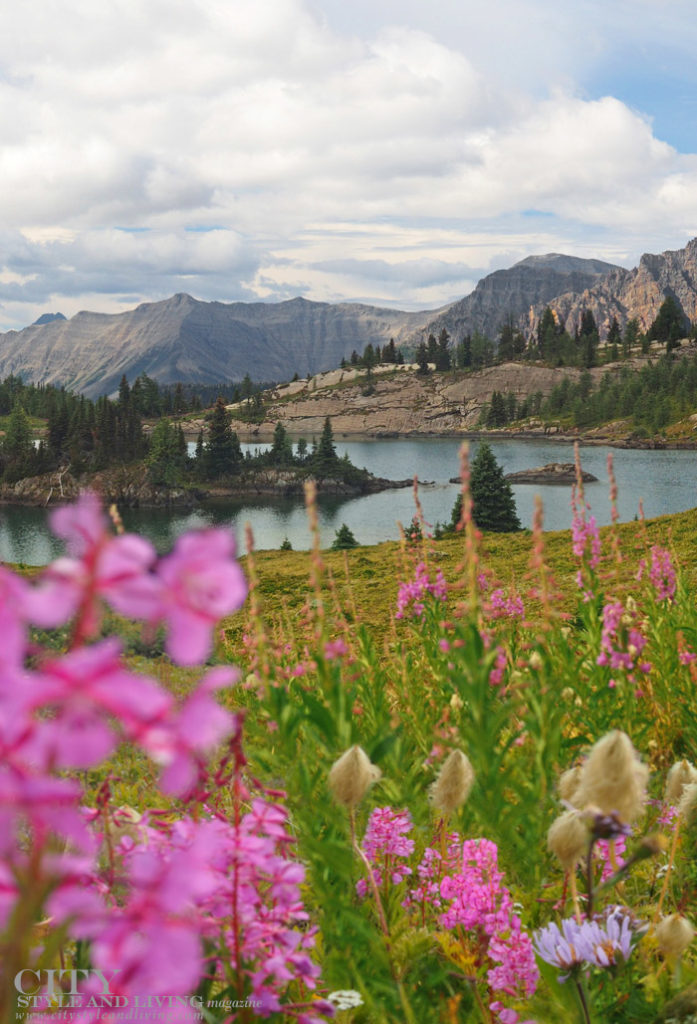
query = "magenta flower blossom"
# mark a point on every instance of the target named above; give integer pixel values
(98, 565)
(88, 690)
(621, 641)
(412, 594)
(201, 583)
(478, 899)
(504, 606)
(180, 741)
(661, 574)
(386, 846)
(584, 534)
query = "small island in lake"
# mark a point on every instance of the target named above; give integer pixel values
(552, 473)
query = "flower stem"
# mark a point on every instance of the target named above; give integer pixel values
(583, 1001)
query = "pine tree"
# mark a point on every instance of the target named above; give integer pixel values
(324, 456)
(281, 450)
(223, 454)
(493, 504)
(344, 539)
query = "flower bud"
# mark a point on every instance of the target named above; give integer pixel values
(613, 778)
(568, 839)
(352, 776)
(673, 935)
(680, 775)
(454, 782)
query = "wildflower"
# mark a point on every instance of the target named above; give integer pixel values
(613, 778)
(568, 839)
(661, 573)
(502, 606)
(496, 674)
(454, 782)
(411, 595)
(674, 934)
(345, 999)
(352, 776)
(86, 689)
(117, 569)
(621, 642)
(575, 945)
(386, 846)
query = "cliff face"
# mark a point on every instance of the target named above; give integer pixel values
(532, 283)
(639, 293)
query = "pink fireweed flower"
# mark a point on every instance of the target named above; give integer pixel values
(497, 672)
(662, 574)
(585, 541)
(98, 565)
(504, 606)
(621, 641)
(88, 690)
(386, 846)
(201, 583)
(476, 898)
(180, 740)
(412, 594)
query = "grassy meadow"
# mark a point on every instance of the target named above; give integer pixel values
(424, 713)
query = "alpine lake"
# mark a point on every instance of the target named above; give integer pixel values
(664, 481)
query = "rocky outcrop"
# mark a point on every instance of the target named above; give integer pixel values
(127, 487)
(511, 293)
(401, 403)
(551, 473)
(628, 294)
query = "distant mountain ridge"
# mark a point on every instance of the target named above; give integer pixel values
(184, 339)
(520, 292)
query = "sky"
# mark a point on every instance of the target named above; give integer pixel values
(383, 151)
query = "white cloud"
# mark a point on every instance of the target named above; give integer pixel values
(409, 132)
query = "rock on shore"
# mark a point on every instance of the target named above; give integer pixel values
(552, 473)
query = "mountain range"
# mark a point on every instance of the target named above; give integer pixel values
(184, 339)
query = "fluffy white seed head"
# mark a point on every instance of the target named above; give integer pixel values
(688, 802)
(352, 776)
(680, 775)
(613, 778)
(673, 935)
(569, 782)
(568, 839)
(454, 782)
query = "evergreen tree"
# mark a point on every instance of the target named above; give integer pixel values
(422, 359)
(493, 504)
(432, 349)
(669, 325)
(497, 416)
(443, 351)
(344, 539)
(389, 353)
(324, 456)
(281, 450)
(222, 454)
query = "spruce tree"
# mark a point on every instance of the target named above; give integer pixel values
(223, 454)
(493, 504)
(324, 456)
